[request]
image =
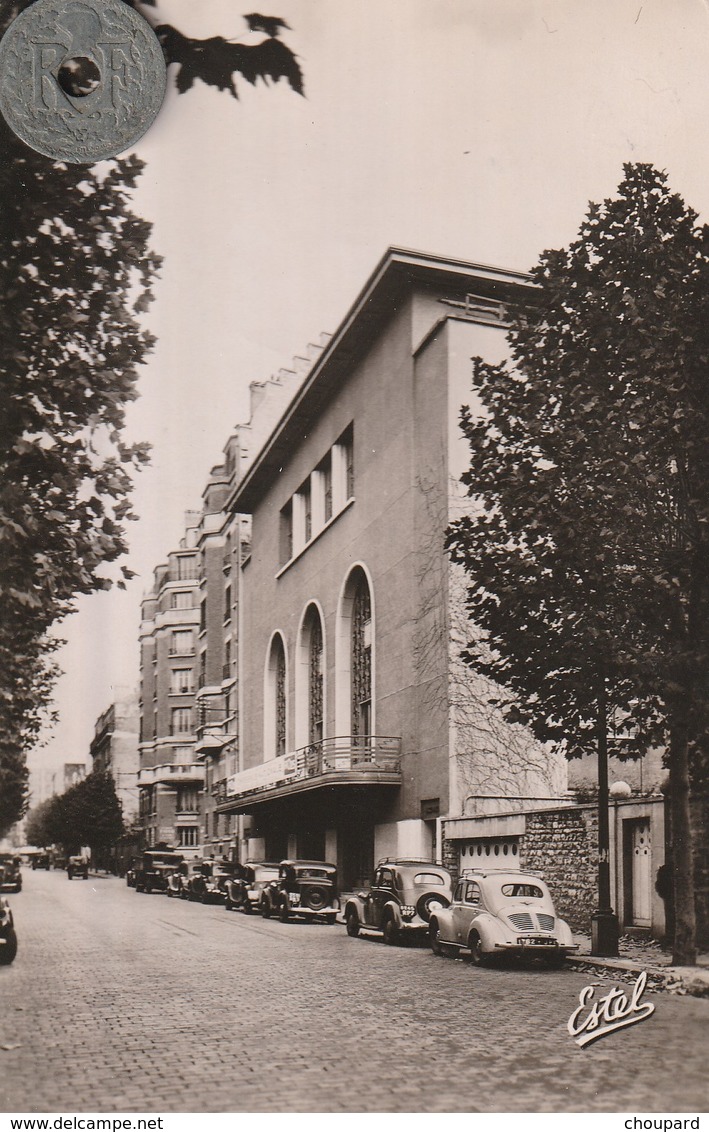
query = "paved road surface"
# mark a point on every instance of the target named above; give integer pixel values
(119, 1001)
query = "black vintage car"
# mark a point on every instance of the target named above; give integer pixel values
(303, 888)
(77, 866)
(10, 873)
(245, 888)
(8, 938)
(153, 868)
(208, 881)
(41, 860)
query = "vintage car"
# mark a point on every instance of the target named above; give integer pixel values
(10, 873)
(59, 862)
(153, 868)
(77, 866)
(501, 912)
(244, 889)
(302, 888)
(8, 937)
(208, 882)
(41, 860)
(401, 900)
(177, 881)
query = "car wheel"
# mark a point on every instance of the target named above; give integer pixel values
(170, 894)
(477, 956)
(352, 923)
(69, 876)
(228, 904)
(433, 938)
(9, 949)
(284, 912)
(391, 932)
(266, 909)
(316, 899)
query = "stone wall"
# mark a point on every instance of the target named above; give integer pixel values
(560, 845)
(700, 823)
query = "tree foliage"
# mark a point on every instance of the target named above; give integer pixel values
(587, 543)
(75, 273)
(86, 814)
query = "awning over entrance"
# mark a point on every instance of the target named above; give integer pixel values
(343, 761)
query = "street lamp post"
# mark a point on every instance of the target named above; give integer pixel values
(604, 922)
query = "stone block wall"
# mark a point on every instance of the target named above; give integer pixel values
(700, 824)
(561, 846)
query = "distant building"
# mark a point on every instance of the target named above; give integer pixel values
(114, 749)
(170, 780)
(74, 773)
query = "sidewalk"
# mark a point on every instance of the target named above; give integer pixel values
(637, 955)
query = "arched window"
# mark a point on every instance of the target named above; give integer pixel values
(315, 697)
(362, 659)
(355, 662)
(310, 678)
(275, 700)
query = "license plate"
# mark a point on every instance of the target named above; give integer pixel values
(294, 897)
(536, 941)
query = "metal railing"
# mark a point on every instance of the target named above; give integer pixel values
(354, 754)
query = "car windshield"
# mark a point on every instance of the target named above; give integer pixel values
(430, 878)
(525, 890)
(320, 874)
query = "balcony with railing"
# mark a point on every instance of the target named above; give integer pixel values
(350, 760)
(170, 773)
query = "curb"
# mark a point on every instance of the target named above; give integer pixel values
(693, 981)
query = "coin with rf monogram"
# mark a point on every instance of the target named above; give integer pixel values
(80, 80)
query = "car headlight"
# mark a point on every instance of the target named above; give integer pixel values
(407, 911)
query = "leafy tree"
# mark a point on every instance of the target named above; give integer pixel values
(75, 274)
(587, 544)
(38, 824)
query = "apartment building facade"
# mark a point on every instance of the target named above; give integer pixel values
(171, 778)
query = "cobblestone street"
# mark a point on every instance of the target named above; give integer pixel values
(119, 1001)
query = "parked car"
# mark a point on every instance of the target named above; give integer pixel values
(153, 868)
(8, 936)
(302, 888)
(77, 866)
(59, 862)
(244, 888)
(41, 861)
(177, 881)
(496, 913)
(401, 900)
(10, 873)
(209, 885)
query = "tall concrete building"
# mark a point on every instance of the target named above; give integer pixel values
(114, 749)
(170, 778)
(361, 734)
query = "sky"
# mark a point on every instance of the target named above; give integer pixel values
(478, 129)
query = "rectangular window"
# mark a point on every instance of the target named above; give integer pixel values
(181, 681)
(343, 470)
(227, 603)
(307, 511)
(202, 669)
(181, 721)
(181, 599)
(186, 800)
(181, 642)
(188, 836)
(327, 487)
(187, 568)
(286, 533)
(203, 615)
